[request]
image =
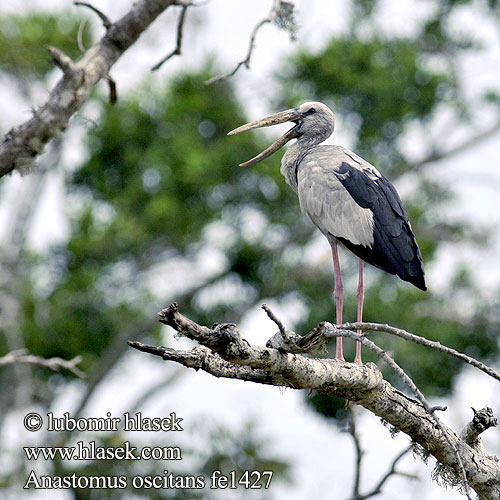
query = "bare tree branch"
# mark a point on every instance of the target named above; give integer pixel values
(63, 62)
(104, 18)
(178, 46)
(251, 44)
(56, 364)
(377, 489)
(391, 472)
(23, 144)
(398, 332)
(203, 358)
(482, 420)
(274, 318)
(79, 36)
(225, 354)
(359, 451)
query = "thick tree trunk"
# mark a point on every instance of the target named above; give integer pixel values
(23, 144)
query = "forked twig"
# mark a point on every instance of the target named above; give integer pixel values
(178, 46)
(251, 45)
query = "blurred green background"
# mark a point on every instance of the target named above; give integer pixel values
(155, 194)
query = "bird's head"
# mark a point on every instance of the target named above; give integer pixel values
(314, 121)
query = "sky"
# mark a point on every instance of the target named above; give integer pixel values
(322, 456)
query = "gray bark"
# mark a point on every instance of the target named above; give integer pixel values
(23, 144)
(223, 353)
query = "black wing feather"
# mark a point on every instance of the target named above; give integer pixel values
(395, 249)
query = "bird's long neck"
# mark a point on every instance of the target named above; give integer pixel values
(293, 157)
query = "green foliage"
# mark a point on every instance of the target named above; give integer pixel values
(24, 39)
(161, 162)
(329, 407)
(240, 452)
(160, 174)
(160, 179)
(377, 86)
(164, 172)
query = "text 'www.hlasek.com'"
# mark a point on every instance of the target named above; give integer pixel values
(91, 451)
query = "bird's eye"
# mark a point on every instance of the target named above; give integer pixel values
(310, 111)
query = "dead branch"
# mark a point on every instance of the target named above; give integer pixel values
(224, 353)
(482, 420)
(391, 472)
(178, 45)
(64, 62)
(273, 15)
(274, 318)
(377, 489)
(103, 17)
(353, 431)
(23, 144)
(398, 332)
(56, 364)
(203, 358)
(328, 331)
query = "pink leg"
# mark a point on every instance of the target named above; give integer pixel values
(338, 294)
(360, 295)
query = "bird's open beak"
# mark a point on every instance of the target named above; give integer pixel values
(289, 115)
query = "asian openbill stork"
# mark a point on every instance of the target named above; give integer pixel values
(347, 199)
